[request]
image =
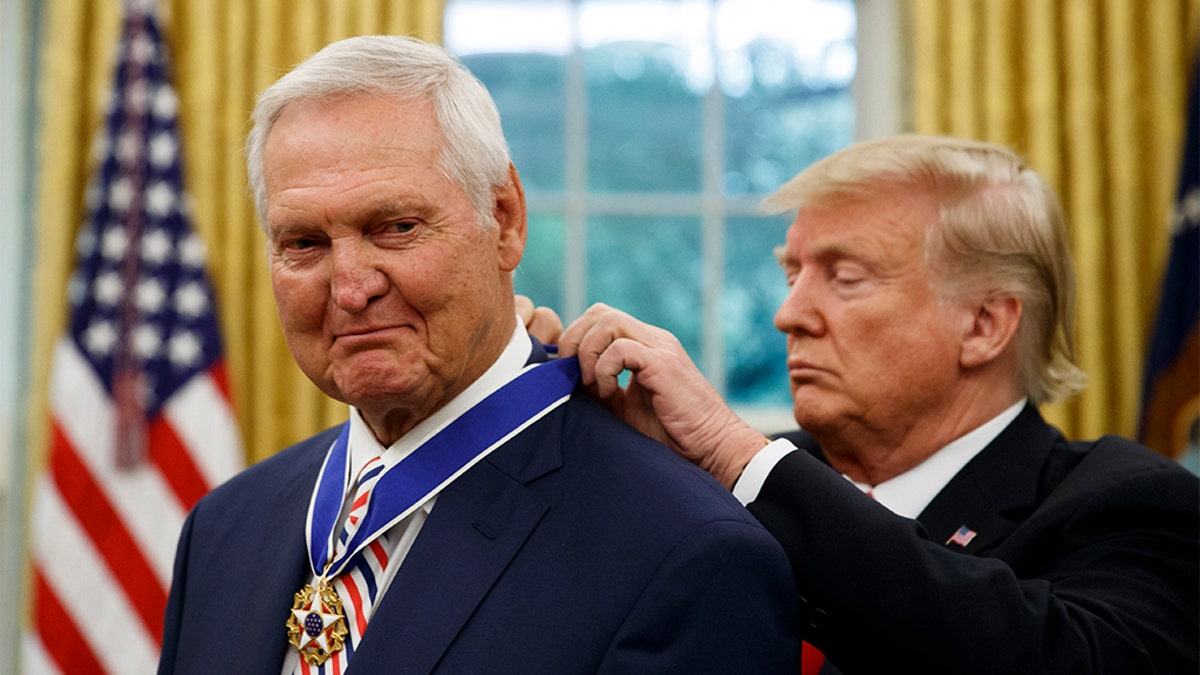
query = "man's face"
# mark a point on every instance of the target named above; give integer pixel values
(870, 346)
(391, 295)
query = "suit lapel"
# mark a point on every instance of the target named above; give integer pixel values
(996, 490)
(477, 526)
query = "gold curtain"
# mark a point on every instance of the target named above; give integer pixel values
(1093, 93)
(224, 52)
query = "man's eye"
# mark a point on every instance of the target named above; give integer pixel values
(403, 226)
(849, 277)
(300, 244)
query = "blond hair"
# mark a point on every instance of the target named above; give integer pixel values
(1000, 229)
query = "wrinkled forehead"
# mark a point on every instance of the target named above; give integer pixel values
(885, 220)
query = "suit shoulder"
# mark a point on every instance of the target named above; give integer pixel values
(598, 445)
(1114, 467)
(1115, 458)
(293, 463)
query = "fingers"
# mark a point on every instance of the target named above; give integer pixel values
(542, 323)
(569, 341)
(667, 397)
(608, 363)
(592, 335)
(609, 342)
(545, 325)
(524, 308)
(596, 329)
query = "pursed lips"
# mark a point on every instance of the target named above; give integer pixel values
(363, 334)
(801, 369)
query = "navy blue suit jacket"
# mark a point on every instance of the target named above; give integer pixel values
(580, 546)
(1084, 561)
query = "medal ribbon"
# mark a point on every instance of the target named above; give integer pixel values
(537, 390)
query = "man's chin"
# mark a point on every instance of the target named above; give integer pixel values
(813, 411)
(374, 387)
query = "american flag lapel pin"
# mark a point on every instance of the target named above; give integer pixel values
(962, 536)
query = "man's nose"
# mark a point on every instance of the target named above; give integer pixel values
(799, 312)
(356, 277)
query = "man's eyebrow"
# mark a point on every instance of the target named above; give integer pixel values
(826, 255)
(781, 256)
(394, 207)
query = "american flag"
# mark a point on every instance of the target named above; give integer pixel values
(962, 537)
(141, 424)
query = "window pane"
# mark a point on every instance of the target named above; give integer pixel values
(505, 26)
(754, 289)
(646, 81)
(786, 85)
(518, 49)
(651, 268)
(529, 91)
(540, 274)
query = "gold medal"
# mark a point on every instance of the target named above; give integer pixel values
(317, 625)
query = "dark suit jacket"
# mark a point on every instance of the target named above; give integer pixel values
(579, 546)
(1085, 561)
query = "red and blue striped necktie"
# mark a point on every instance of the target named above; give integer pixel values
(358, 586)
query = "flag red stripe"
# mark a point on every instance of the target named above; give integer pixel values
(178, 468)
(59, 634)
(96, 515)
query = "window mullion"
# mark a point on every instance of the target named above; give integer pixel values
(575, 268)
(712, 220)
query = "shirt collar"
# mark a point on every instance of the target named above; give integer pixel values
(909, 493)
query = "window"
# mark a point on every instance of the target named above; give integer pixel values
(646, 132)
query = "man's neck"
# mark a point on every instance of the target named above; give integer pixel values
(390, 425)
(872, 456)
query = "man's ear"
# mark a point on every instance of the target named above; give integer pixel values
(509, 212)
(990, 329)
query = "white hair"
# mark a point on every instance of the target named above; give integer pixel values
(474, 152)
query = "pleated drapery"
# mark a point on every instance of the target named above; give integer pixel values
(224, 52)
(1093, 93)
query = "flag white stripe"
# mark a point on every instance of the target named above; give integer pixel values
(103, 615)
(205, 424)
(141, 497)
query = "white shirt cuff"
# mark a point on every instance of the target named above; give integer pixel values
(750, 483)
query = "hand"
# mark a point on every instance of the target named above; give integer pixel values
(541, 322)
(667, 397)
